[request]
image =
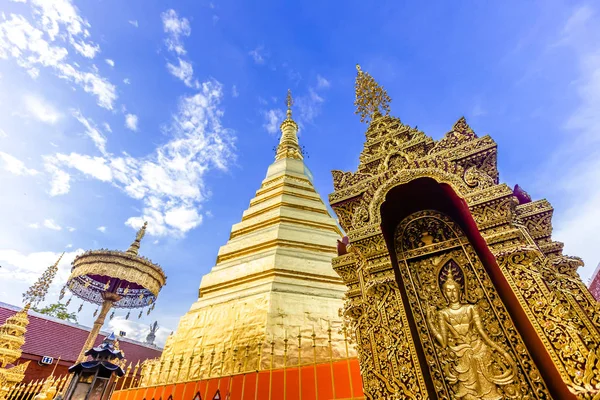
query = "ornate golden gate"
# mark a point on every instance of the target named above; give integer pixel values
(456, 289)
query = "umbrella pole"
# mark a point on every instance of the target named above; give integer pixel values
(91, 339)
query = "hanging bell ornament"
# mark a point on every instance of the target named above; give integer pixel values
(112, 315)
(68, 302)
(140, 315)
(96, 312)
(62, 292)
(127, 316)
(80, 307)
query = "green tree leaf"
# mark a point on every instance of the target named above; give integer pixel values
(57, 310)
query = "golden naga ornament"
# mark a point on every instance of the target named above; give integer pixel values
(455, 287)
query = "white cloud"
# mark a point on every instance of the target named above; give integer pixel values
(69, 246)
(34, 225)
(134, 22)
(86, 49)
(92, 131)
(257, 55)
(60, 17)
(32, 47)
(185, 72)
(322, 83)
(127, 81)
(234, 91)
(3, 134)
(110, 62)
(170, 182)
(15, 166)
(579, 18)
(23, 269)
(310, 105)
(71, 229)
(576, 180)
(184, 218)
(102, 229)
(137, 331)
(175, 28)
(60, 180)
(41, 110)
(131, 122)
(96, 167)
(106, 127)
(51, 224)
(273, 118)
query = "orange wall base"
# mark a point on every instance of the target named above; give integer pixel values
(311, 382)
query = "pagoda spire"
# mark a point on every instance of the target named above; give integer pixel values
(288, 145)
(12, 336)
(135, 246)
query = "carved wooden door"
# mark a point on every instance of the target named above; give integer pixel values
(471, 347)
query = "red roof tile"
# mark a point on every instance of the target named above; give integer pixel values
(48, 336)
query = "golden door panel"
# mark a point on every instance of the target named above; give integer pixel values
(472, 348)
(383, 344)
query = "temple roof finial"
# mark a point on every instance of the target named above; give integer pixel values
(371, 98)
(288, 144)
(135, 246)
(289, 102)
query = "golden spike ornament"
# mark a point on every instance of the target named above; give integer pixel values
(371, 98)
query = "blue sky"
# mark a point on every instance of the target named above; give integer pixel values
(114, 112)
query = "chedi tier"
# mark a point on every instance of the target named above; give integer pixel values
(273, 279)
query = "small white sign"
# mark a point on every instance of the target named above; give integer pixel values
(47, 360)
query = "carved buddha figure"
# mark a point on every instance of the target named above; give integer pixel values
(473, 370)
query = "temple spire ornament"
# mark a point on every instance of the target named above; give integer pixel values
(135, 246)
(371, 98)
(288, 145)
(37, 292)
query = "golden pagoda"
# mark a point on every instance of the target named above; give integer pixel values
(12, 332)
(12, 337)
(273, 278)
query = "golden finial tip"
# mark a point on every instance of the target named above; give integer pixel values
(289, 101)
(358, 68)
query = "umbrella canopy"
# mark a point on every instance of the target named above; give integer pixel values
(132, 279)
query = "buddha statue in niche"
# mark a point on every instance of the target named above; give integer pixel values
(473, 372)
